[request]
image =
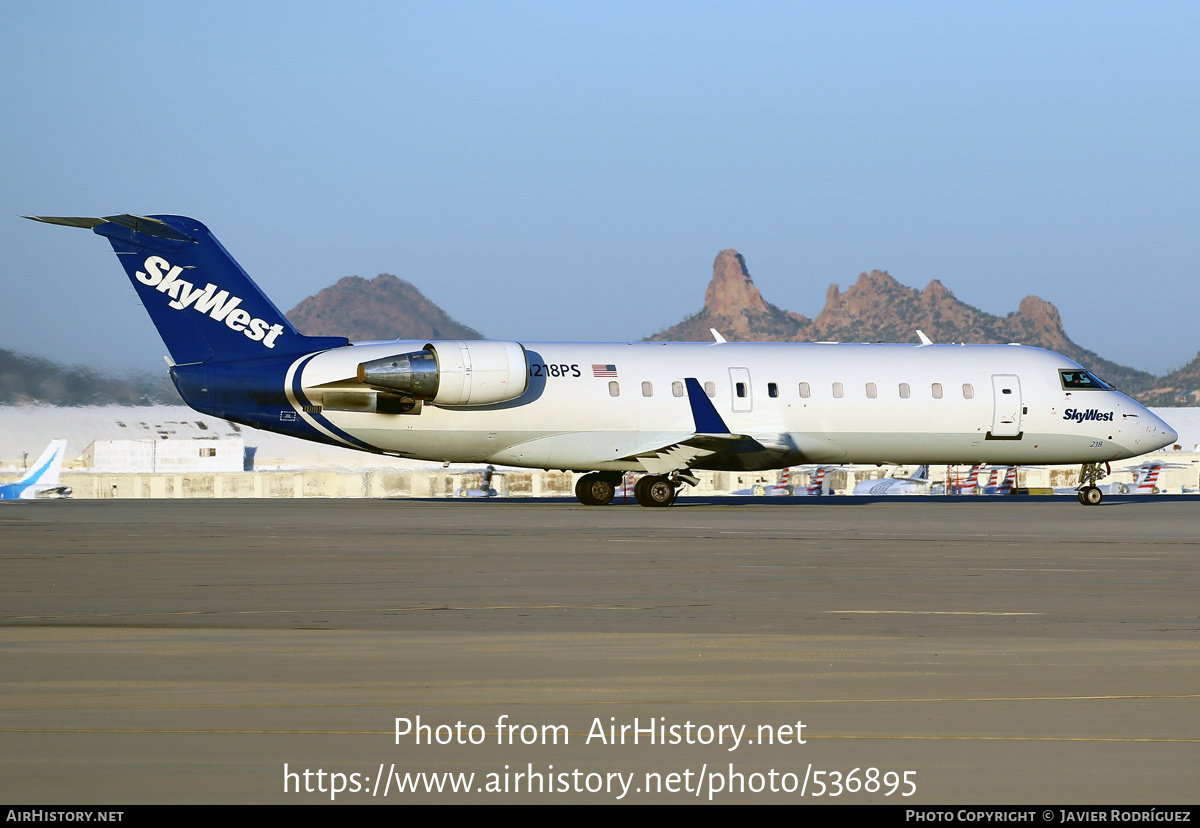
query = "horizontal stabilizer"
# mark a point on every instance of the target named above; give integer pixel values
(139, 224)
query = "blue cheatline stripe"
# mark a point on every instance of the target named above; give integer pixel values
(298, 393)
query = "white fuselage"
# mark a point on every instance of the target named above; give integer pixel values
(604, 406)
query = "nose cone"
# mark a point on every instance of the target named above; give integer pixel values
(1164, 431)
(1142, 430)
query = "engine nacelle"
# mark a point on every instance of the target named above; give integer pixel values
(453, 372)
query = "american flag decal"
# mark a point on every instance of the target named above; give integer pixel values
(604, 370)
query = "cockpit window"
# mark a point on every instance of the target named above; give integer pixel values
(1081, 380)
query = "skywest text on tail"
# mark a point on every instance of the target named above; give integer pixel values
(605, 408)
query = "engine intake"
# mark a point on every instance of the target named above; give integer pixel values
(453, 372)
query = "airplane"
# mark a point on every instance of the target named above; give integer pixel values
(1002, 481)
(782, 487)
(605, 408)
(41, 480)
(816, 484)
(1145, 480)
(968, 486)
(916, 484)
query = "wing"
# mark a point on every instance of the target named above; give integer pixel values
(711, 437)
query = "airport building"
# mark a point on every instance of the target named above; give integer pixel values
(173, 451)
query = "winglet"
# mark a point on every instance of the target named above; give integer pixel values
(717, 338)
(924, 339)
(704, 413)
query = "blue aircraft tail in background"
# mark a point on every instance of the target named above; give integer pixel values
(42, 478)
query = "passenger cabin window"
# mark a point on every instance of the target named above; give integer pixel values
(872, 391)
(614, 389)
(968, 391)
(937, 390)
(1081, 381)
(837, 390)
(905, 391)
(741, 389)
(805, 390)
(677, 389)
(647, 389)
(772, 389)
(710, 388)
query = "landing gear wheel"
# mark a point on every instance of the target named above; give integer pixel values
(595, 490)
(654, 490)
(1089, 475)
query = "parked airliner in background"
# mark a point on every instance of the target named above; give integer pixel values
(969, 485)
(816, 484)
(1003, 481)
(605, 408)
(1145, 480)
(917, 484)
(783, 487)
(41, 480)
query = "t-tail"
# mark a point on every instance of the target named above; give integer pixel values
(204, 305)
(231, 349)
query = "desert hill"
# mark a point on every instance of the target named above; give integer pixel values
(381, 308)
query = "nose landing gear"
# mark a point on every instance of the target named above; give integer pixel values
(1089, 474)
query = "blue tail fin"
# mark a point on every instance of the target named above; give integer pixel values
(204, 305)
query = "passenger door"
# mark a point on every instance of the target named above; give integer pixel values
(1006, 411)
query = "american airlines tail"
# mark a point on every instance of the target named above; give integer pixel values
(1148, 480)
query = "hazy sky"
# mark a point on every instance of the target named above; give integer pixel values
(568, 170)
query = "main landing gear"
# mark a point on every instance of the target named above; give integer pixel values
(654, 490)
(599, 488)
(1089, 474)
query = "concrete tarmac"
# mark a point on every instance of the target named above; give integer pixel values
(994, 650)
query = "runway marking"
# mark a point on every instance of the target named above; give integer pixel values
(331, 611)
(923, 612)
(1038, 569)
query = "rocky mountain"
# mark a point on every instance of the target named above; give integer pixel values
(1181, 387)
(381, 308)
(877, 308)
